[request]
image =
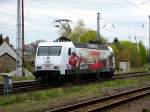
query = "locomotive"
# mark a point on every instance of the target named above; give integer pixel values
(56, 60)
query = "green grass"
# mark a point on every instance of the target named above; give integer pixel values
(53, 97)
(141, 68)
(137, 69)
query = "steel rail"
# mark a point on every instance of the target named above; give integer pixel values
(105, 103)
(136, 74)
(23, 86)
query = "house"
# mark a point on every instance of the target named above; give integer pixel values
(29, 50)
(8, 58)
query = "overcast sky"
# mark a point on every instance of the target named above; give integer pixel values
(123, 18)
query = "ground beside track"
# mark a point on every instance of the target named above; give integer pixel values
(140, 105)
(52, 98)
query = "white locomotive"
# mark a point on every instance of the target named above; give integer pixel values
(66, 59)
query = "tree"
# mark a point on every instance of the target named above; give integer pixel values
(124, 55)
(127, 51)
(82, 34)
(62, 31)
(135, 58)
(1, 39)
(88, 36)
(143, 53)
(116, 54)
(132, 51)
(78, 31)
(103, 40)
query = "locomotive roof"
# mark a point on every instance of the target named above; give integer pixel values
(53, 43)
(77, 45)
(91, 46)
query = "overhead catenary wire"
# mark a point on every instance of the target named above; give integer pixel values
(45, 20)
(36, 13)
(136, 6)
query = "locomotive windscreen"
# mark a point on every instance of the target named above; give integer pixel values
(49, 51)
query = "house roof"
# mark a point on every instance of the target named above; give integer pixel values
(5, 48)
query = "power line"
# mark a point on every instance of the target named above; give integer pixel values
(38, 32)
(136, 5)
(36, 13)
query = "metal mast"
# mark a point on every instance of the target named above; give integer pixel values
(23, 64)
(98, 27)
(149, 43)
(19, 66)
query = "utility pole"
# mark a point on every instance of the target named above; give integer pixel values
(149, 43)
(20, 38)
(19, 47)
(98, 27)
(23, 64)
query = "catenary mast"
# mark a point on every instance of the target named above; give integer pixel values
(19, 39)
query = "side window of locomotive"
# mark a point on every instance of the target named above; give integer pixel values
(69, 51)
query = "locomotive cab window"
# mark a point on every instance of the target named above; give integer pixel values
(49, 51)
(69, 51)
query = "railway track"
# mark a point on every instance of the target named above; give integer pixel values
(105, 103)
(131, 74)
(25, 86)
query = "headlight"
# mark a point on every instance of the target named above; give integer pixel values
(39, 67)
(56, 67)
